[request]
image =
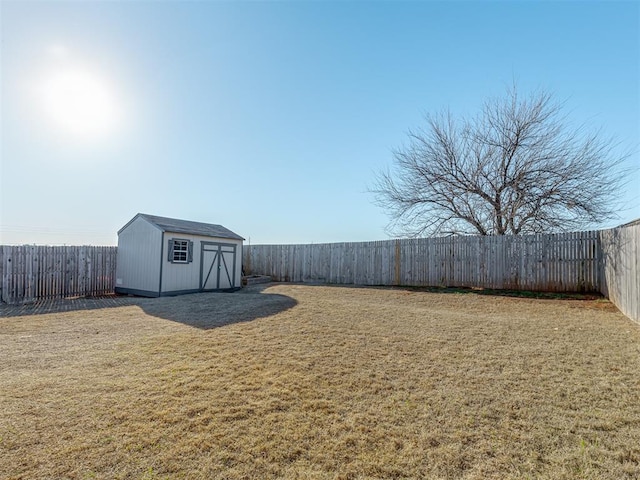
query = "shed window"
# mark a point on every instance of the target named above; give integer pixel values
(180, 251)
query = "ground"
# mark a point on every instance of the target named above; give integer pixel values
(320, 382)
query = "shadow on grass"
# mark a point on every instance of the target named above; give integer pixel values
(509, 293)
(200, 310)
(61, 305)
(212, 309)
(469, 291)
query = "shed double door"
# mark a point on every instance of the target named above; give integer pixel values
(217, 266)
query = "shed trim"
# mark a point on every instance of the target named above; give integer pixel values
(161, 262)
(171, 293)
(139, 215)
(137, 292)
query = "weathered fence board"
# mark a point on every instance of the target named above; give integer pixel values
(559, 262)
(620, 276)
(31, 272)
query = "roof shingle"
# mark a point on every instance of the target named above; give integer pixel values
(185, 226)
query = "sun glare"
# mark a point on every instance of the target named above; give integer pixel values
(79, 104)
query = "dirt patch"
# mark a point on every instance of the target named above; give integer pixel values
(298, 381)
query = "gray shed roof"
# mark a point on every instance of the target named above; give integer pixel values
(185, 226)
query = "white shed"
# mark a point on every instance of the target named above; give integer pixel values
(160, 256)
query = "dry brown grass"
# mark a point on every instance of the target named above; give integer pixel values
(314, 382)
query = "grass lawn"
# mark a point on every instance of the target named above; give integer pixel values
(318, 382)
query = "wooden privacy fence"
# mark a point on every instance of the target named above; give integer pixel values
(557, 262)
(606, 261)
(32, 272)
(620, 276)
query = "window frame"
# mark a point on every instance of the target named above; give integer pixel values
(180, 251)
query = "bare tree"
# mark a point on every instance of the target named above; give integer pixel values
(516, 168)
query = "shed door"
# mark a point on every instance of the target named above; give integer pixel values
(217, 266)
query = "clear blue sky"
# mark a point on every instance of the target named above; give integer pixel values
(271, 118)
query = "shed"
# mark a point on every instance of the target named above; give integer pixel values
(159, 256)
